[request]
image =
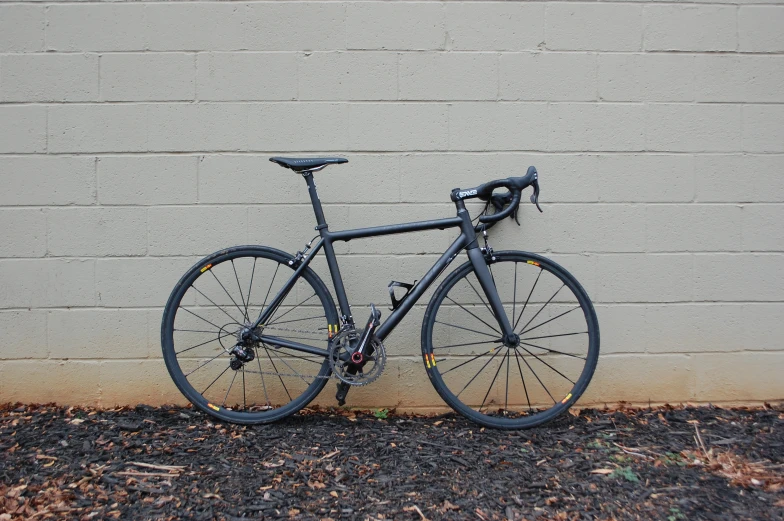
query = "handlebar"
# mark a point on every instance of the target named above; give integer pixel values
(515, 185)
(504, 213)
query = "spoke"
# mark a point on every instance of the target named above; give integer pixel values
(227, 291)
(529, 298)
(216, 379)
(242, 297)
(250, 286)
(204, 343)
(205, 363)
(552, 336)
(477, 373)
(467, 361)
(276, 370)
(229, 389)
(214, 304)
(244, 398)
(537, 378)
(263, 384)
(552, 350)
(527, 399)
(494, 379)
(546, 321)
(473, 315)
(465, 328)
(297, 356)
(506, 398)
(289, 311)
(478, 295)
(204, 319)
(270, 286)
(287, 365)
(195, 330)
(544, 306)
(471, 344)
(514, 294)
(548, 365)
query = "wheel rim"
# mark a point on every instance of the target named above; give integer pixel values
(215, 303)
(524, 381)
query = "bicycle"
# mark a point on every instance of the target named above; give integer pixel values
(253, 355)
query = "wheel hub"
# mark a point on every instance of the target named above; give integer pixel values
(512, 340)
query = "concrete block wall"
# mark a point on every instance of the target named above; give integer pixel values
(134, 139)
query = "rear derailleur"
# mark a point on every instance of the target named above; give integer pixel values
(241, 356)
(243, 352)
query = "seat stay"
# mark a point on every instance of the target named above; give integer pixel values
(266, 313)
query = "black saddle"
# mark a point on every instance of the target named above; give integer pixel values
(307, 163)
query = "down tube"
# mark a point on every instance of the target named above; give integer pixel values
(440, 265)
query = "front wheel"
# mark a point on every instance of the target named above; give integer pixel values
(504, 385)
(214, 303)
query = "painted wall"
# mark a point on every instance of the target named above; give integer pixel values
(134, 139)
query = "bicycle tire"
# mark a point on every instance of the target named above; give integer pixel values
(503, 419)
(212, 264)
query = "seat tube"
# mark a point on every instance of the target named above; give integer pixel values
(483, 272)
(315, 201)
(329, 250)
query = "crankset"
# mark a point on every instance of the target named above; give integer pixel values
(358, 358)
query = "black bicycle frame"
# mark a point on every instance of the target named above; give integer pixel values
(467, 240)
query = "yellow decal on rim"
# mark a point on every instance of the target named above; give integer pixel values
(427, 361)
(567, 398)
(213, 407)
(433, 359)
(205, 268)
(534, 263)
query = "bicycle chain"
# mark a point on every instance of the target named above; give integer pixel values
(291, 330)
(316, 377)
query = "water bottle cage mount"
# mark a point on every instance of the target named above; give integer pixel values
(395, 284)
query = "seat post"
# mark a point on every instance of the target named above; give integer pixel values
(315, 201)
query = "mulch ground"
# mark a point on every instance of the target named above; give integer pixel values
(175, 463)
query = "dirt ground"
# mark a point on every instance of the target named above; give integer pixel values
(175, 463)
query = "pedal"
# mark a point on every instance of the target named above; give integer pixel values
(340, 396)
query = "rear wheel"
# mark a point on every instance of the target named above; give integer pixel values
(511, 385)
(204, 319)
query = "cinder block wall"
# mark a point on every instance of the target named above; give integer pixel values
(134, 139)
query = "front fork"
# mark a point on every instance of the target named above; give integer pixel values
(483, 274)
(491, 292)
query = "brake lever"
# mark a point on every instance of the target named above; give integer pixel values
(499, 201)
(535, 196)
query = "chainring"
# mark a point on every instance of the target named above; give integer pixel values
(340, 350)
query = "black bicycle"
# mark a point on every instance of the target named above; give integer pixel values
(510, 339)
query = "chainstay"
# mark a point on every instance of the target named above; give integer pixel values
(330, 376)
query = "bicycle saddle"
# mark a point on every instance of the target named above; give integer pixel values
(307, 163)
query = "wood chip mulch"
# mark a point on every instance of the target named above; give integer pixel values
(174, 463)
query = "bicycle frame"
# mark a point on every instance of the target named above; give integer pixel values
(467, 240)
